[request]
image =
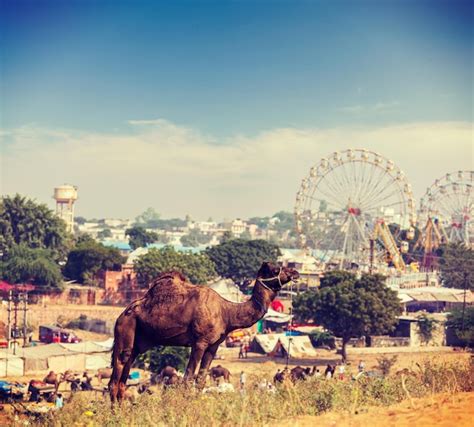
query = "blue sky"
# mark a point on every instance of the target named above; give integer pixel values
(229, 70)
(239, 66)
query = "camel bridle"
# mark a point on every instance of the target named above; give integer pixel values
(262, 282)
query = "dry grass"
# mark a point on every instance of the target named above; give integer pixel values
(187, 407)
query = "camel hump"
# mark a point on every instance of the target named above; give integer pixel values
(168, 278)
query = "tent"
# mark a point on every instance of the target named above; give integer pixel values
(228, 290)
(52, 357)
(56, 357)
(296, 346)
(276, 317)
(11, 365)
(264, 343)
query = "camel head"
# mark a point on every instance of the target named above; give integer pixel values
(274, 277)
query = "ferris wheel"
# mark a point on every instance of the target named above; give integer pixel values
(345, 197)
(450, 201)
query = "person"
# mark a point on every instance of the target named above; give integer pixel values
(59, 403)
(361, 366)
(328, 372)
(246, 342)
(341, 370)
(317, 374)
(243, 380)
(241, 350)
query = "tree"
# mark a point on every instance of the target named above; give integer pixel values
(457, 266)
(25, 222)
(159, 357)
(148, 219)
(195, 238)
(350, 307)
(139, 237)
(427, 325)
(239, 259)
(80, 220)
(105, 233)
(197, 267)
(88, 258)
(22, 264)
(463, 325)
(286, 221)
(260, 222)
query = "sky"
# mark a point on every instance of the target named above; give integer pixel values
(219, 108)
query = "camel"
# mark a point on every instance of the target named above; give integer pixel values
(175, 312)
(164, 376)
(298, 373)
(53, 379)
(219, 371)
(103, 373)
(281, 376)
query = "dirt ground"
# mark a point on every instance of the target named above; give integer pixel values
(436, 411)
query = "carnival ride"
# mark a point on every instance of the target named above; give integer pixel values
(448, 207)
(344, 205)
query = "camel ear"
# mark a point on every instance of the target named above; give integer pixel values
(266, 268)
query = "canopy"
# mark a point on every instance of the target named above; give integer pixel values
(5, 286)
(276, 317)
(228, 290)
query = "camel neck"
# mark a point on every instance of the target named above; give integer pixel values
(246, 314)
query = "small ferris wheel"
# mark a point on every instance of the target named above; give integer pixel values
(344, 197)
(450, 201)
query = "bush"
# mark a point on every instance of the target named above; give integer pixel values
(185, 406)
(385, 364)
(323, 338)
(159, 357)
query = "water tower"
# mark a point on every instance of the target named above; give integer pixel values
(65, 196)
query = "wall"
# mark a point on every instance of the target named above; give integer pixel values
(44, 315)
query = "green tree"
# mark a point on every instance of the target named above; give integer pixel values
(457, 266)
(463, 325)
(240, 260)
(197, 267)
(139, 237)
(195, 238)
(286, 221)
(427, 325)
(226, 236)
(104, 234)
(25, 222)
(148, 219)
(22, 264)
(350, 307)
(260, 222)
(80, 220)
(159, 357)
(88, 258)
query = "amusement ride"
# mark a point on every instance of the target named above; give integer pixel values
(352, 210)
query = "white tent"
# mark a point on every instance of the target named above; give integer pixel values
(265, 343)
(10, 365)
(276, 317)
(228, 290)
(297, 346)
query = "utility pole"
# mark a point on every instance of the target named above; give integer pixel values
(16, 302)
(464, 299)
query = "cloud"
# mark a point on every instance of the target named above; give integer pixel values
(179, 170)
(379, 107)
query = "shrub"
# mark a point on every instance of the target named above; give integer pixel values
(385, 363)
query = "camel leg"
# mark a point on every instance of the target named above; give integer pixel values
(197, 353)
(124, 338)
(126, 370)
(206, 361)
